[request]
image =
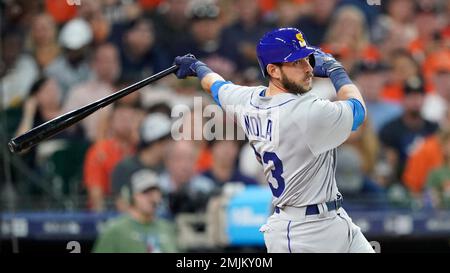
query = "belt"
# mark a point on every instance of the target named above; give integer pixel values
(314, 209)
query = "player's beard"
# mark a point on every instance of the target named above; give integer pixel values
(293, 87)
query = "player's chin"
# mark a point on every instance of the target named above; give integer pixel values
(307, 85)
(302, 89)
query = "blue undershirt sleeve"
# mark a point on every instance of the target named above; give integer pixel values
(358, 112)
(215, 90)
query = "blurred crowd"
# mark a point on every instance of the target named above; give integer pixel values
(59, 56)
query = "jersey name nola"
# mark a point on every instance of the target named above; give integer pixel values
(254, 127)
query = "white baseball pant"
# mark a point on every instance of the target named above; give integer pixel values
(291, 231)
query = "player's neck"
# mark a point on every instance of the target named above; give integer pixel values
(275, 88)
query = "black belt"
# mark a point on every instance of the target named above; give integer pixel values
(314, 209)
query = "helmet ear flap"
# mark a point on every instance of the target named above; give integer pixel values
(312, 60)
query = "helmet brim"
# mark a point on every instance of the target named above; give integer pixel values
(300, 54)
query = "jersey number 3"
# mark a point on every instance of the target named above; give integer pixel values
(277, 171)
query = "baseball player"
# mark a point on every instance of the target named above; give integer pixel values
(295, 134)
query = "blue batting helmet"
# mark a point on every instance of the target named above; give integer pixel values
(281, 46)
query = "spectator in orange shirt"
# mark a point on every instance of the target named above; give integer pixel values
(102, 156)
(427, 156)
(422, 161)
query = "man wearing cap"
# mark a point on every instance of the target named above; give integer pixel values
(429, 154)
(71, 67)
(154, 135)
(139, 231)
(401, 135)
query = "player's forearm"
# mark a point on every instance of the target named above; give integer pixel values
(350, 94)
(208, 80)
(344, 86)
(349, 91)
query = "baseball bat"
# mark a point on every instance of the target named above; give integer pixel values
(56, 125)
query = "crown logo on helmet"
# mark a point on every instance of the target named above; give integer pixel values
(301, 40)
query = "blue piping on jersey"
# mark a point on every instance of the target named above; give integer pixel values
(289, 239)
(261, 108)
(215, 90)
(358, 112)
(258, 156)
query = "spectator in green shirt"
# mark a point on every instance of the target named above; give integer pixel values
(139, 230)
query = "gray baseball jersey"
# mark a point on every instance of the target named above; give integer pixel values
(295, 138)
